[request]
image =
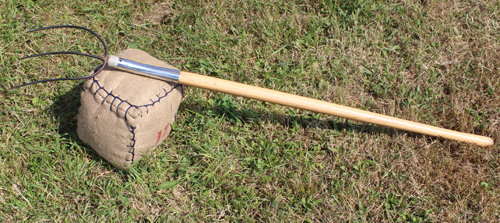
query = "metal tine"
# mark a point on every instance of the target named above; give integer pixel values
(98, 70)
(61, 52)
(104, 59)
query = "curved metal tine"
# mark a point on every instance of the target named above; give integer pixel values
(75, 27)
(104, 59)
(61, 52)
(96, 71)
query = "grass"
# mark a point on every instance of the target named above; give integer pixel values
(235, 159)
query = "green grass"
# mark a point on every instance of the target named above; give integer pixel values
(235, 159)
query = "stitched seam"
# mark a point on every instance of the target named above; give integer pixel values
(130, 105)
(132, 146)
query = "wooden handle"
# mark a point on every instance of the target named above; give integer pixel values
(234, 88)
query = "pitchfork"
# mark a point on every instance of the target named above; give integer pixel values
(230, 87)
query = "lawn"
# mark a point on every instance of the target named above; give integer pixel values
(235, 159)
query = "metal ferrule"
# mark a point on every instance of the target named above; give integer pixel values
(160, 73)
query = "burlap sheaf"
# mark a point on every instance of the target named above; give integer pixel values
(123, 115)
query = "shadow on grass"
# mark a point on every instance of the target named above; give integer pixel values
(65, 111)
(225, 107)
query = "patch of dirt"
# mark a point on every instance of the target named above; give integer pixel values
(158, 12)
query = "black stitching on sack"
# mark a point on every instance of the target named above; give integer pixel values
(98, 90)
(92, 83)
(126, 111)
(103, 100)
(133, 144)
(111, 105)
(159, 98)
(153, 102)
(121, 101)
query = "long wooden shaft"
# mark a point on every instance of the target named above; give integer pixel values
(234, 88)
(291, 100)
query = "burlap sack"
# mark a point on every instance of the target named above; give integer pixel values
(123, 115)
